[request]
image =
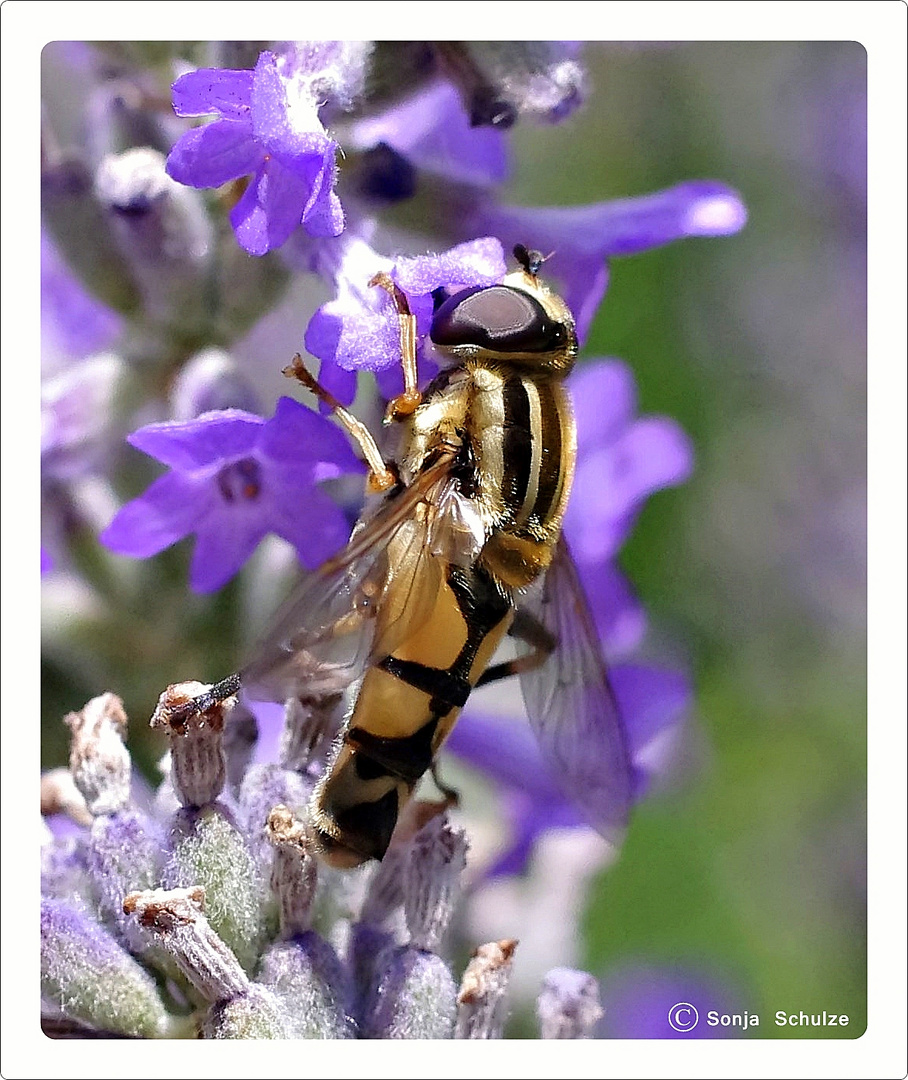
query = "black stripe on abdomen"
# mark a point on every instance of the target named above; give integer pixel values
(550, 466)
(517, 445)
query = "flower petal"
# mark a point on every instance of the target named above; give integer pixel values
(224, 542)
(191, 445)
(211, 155)
(213, 90)
(165, 513)
(298, 437)
(270, 209)
(433, 131)
(604, 395)
(612, 482)
(477, 262)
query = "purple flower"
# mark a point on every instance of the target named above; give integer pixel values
(582, 238)
(74, 323)
(638, 999)
(621, 459)
(651, 703)
(359, 330)
(267, 125)
(432, 131)
(235, 477)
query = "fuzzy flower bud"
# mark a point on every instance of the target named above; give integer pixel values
(59, 795)
(175, 916)
(306, 974)
(568, 1007)
(198, 767)
(294, 873)
(208, 849)
(481, 1006)
(98, 758)
(432, 883)
(162, 231)
(89, 978)
(414, 998)
(123, 854)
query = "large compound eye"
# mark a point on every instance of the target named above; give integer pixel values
(496, 317)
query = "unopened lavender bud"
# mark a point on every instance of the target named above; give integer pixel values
(98, 758)
(501, 80)
(209, 850)
(123, 853)
(306, 974)
(59, 795)
(415, 998)
(162, 231)
(71, 212)
(481, 1004)
(308, 729)
(207, 382)
(385, 893)
(89, 978)
(432, 881)
(198, 768)
(176, 919)
(294, 873)
(256, 1014)
(568, 1007)
(263, 788)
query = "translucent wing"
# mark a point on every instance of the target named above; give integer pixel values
(376, 591)
(571, 706)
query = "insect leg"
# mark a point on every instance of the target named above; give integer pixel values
(526, 628)
(404, 404)
(381, 477)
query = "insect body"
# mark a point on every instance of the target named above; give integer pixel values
(464, 548)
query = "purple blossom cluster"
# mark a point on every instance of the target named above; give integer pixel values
(301, 161)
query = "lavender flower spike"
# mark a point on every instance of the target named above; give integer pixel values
(266, 125)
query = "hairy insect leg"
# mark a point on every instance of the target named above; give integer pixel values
(404, 404)
(528, 629)
(381, 477)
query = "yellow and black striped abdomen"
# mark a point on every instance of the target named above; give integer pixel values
(524, 443)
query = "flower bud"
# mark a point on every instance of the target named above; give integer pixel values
(98, 758)
(209, 850)
(568, 1007)
(481, 1005)
(91, 979)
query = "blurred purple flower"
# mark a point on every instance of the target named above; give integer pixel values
(582, 238)
(235, 477)
(432, 131)
(621, 459)
(651, 703)
(74, 323)
(637, 1000)
(267, 125)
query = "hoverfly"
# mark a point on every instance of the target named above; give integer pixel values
(463, 547)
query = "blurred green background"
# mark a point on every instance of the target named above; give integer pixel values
(750, 866)
(753, 870)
